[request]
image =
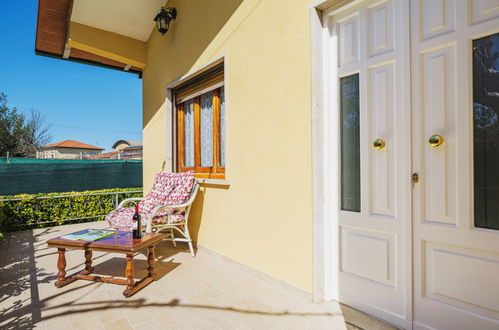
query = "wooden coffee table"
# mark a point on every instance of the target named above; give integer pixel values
(123, 243)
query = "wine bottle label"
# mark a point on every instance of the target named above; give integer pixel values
(134, 225)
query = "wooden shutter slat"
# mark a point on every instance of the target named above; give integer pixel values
(182, 93)
(197, 134)
(216, 129)
(180, 136)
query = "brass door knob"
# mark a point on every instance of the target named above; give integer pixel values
(435, 140)
(378, 144)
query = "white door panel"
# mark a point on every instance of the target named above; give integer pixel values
(482, 10)
(456, 266)
(374, 272)
(437, 97)
(438, 18)
(382, 120)
(414, 254)
(348, 31)
(380, 22)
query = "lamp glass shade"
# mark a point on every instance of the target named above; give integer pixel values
(163, 19)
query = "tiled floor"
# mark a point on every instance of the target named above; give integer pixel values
(205, 292)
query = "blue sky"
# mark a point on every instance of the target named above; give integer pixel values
(85, 103)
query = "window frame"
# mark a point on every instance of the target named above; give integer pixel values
(216, 171)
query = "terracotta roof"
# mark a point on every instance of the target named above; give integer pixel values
(131, 157)
(72, 144)
(106, 155)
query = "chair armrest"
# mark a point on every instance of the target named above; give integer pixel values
(177, 206)
(128, 200)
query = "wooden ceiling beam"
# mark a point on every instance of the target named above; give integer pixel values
(52, 37)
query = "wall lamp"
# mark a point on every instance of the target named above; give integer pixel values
(163, 19)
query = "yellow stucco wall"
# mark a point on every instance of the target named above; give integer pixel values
(264, 218)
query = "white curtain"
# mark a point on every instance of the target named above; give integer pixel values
(206, 130)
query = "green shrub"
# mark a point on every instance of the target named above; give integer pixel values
(37, 211)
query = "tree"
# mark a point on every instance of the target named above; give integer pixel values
(37, 133)
(21, 136)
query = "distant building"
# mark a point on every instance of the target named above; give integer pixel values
(132, 152)
(122, 144)
(68, 149)
(123, 149)
(128, 149)
(107, 155)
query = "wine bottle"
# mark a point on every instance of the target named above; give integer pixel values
(137, 224)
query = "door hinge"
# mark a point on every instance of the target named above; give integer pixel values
(414, 178)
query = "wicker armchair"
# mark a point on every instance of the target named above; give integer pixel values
(165, 208)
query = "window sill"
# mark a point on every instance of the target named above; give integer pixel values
(217, 182)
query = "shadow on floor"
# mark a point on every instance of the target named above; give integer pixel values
(116, 267)
(174, 303)
(21, 278)
(19, 274)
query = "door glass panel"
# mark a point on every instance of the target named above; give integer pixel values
(206, 130)
(486, 131)
(350, 143)
(189, 133)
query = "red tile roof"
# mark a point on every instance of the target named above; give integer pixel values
(72, 144)
(106, 155)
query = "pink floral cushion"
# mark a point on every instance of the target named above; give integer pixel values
(168, 189)
(121, 219)
(182, 183)
(157, 196)
(174, 218)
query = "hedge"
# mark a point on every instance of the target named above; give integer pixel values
(37, 211)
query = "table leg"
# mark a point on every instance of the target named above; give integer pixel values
(129, 273)
(150, 262)
(133, 287)
(88, 262)
(61, 265)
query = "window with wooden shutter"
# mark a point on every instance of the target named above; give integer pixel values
(200, 120)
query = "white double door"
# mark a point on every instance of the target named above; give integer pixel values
(410, 251)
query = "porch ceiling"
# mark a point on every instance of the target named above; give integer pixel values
(129, 18)
(109, 33)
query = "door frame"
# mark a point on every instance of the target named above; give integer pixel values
(326, 153)
(324, 224)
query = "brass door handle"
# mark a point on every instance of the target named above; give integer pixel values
(435, 140)
(378, 144)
